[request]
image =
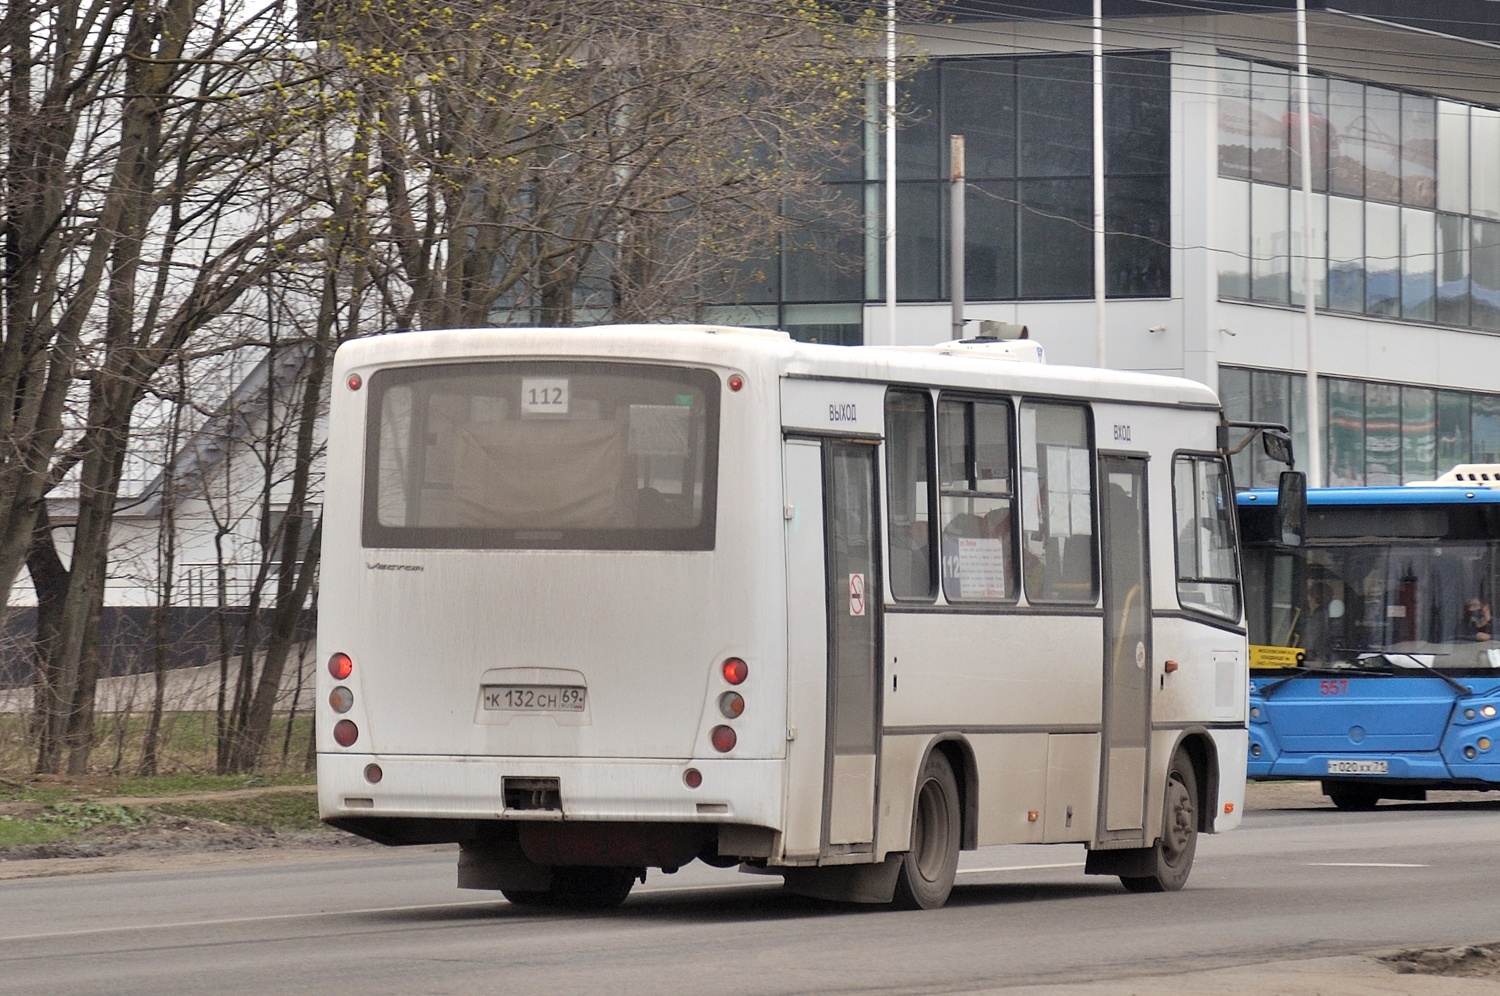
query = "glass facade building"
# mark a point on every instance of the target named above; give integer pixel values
(1372, 433)
(1406, 198)
(1027, 124)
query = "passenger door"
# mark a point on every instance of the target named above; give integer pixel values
(1127, 648)
(834, 602)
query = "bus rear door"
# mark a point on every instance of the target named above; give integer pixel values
(833, 606)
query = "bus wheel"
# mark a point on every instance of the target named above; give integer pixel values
(928, 869)
(1172, 857)
(1357, 798)
(579, 888)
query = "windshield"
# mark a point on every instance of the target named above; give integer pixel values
(1414, 605)
(544, 455)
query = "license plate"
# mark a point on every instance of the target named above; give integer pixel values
(534, 698)
(1358, 767)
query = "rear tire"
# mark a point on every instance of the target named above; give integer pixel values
(928, 869)
(1352, 798)
(1171, 858)
(579, 888)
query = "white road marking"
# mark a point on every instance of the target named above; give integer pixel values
(1362, 864)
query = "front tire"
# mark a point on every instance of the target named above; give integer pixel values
(928, 869)
(1352, 798)
(1171, 859)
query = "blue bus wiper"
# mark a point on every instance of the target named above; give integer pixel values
(1462, 688)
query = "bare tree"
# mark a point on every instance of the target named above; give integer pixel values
(538, 157)
(136, 134)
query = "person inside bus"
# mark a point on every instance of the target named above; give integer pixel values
(1317, 641)
(1477, 622)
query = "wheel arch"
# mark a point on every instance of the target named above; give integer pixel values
(1199, 747)
(960, 756)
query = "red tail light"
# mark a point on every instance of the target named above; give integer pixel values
(722, 737)
(340, 666)
(735, 670)
(345, 733)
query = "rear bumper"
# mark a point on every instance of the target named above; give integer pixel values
(472, 788)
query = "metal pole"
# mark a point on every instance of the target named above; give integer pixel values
(1309, 290)
(956, 233)
(1098, 32)
(890, 173)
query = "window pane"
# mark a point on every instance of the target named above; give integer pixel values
(1270, 92)
(1418, 434)
(1137, 248)
(991, 472)
(1234, 395)
(1418, 151)
(1453, 446)
(824, 258)
(1317, 130)
(1269, 244)
(1382, 259)
(1382, 128)
(623, 457)
(1206, 570)
(834, 324)
(1055, 97)
(1346, 433)
(1418, 264)
(1232, 221)
(1270, 401)
(1319, 242)
(907, 416)
(989, 240)
(1056, 238)
(1137, 113)
(979, 559)
(921, 146)
(1346, 254)
(750, 281)
(1453, 157)
(1453, 269)
(1485, 409)
(978, 540)
(953, 446)
(1484, 153)
(1234, 118)
(1484, 269)
(979, 103)
(1382, 434)
(1346, 138)
(1057, 497)
(919, 242)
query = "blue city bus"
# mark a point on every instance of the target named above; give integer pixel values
(1375, 663)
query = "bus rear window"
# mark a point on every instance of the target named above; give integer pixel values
(541, 455)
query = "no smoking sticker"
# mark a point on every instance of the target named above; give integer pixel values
(856, 594)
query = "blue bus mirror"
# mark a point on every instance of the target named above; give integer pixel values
(1291, 508)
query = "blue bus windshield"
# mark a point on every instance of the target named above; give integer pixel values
(1394, 585)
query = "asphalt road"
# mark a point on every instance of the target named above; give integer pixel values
(1293, 902)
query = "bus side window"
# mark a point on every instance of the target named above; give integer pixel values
(974, 483)
(1207, 576)
(1057, 503)
(908, 472)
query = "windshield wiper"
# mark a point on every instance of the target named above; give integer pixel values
(1414, 658)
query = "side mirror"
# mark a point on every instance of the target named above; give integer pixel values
(1291, 508)
(1278, 445)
